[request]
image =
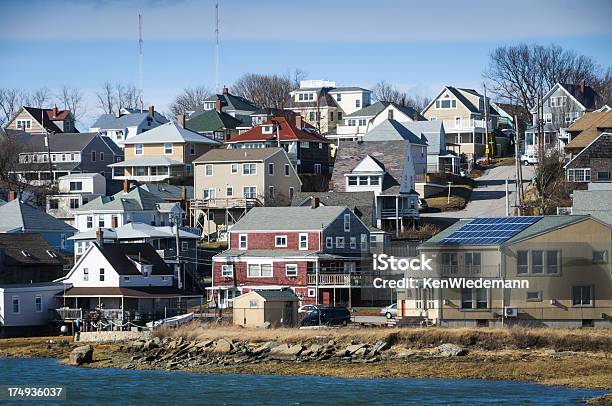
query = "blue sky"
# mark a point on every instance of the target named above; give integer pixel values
(420, 46)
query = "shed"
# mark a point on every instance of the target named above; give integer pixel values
(277, 307)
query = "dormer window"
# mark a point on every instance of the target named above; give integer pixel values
(209, 105)
(305, 96)
(26, 254)
(446, 103)
(267, 129)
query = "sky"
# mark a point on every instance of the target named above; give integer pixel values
(420, 46)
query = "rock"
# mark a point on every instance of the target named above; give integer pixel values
(204, 344)
(379, 347)
(315, 348)
(284, 351)
(265, 324)
(81, 355)
(360, 352)
(223, 346)
(451, 350)
(149, 345)
(353, 348)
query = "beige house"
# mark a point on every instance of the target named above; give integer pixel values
(166, 151)
(564, 260)
(229, 182)
(41, 121)
(463, 114)
(257, 308)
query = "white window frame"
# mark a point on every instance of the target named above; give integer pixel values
(586, 175)
(208, 167)
(234, 169)
(246, 169)
(259, 268)
(312, 292)
(353, 243)
(291, 270)
(270, 168)
(271, 192)
(250, 195)
(229, 191)
(280, 244)
(227, 271)
(243, 245)
(38, 308)
(339, 242)
(184, 245)
(364, 242)
(102, 275)
(138, 149)
(303, 237)
(347, 222)
(329, 242)
(16, 297)
(85, 274)
(318, 169)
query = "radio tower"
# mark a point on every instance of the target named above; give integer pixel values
(140, 92)
(217, 46)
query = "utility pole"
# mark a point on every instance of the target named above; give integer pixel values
(178, 249)
(540, 149)
(488, 151)
(507, 199)
(519, 169)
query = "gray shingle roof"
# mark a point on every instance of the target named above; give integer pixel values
(57, 142)
(18, 216)
(593, 202)
(288, 218)
(136, 199)
(432, 132)
(170, 132)
(277, 295)
(230, 102)
(391, 130)
(147, 160)
(134, 231)
(112, 122)
(12, 244)
(119, 254)
(168, 192)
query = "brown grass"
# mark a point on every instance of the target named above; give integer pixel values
(460, 195)
(423, 232)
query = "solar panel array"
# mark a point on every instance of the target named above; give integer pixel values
(490, 230)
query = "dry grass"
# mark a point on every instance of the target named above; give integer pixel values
(460, 195)
(423, 232)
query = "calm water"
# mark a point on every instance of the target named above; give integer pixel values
(130, 387)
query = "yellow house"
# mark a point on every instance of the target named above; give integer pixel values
(555, 271)
(42, 121)
(163, 152)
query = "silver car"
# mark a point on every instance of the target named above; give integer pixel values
(389, 311)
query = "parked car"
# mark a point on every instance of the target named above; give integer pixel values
(307, 308)
(389, 311)
(423, 204)
(529, 159)
(329, 316)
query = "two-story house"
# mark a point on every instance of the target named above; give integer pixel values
(127, 123)
(463, 113)
(592, 164)
(74, 191)
(388, 169)
(323, 105)
(235, 106)
(317, 251)
(558, 270)
(213, 123)
(229, 182)
(308, 151)
(164, 152)
(42, 121)
(46, 158)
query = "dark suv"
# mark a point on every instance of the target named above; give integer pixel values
(327, 316)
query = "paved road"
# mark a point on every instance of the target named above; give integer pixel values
(488, 198)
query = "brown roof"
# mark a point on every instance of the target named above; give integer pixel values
(287, 130)
(48, 116)
(145, 292)
(588, 127)
(237, 155)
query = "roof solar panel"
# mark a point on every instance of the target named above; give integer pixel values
(490, 230)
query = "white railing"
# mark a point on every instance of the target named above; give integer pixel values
(331, 279)
(351, 129)
(466, 124)
(392, 213)
(147, 178)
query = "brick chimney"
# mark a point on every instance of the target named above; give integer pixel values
(582, 86)
(126, 186)
(99, 236)
(415, 116)
(390, 114)
(180, 119)
(55, 111)
(314, 202)
(151, 111)
(218, 105)
(12, 195)
(402, 102)
(225, 90)
(298, 122)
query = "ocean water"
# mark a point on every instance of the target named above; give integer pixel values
(85, 386)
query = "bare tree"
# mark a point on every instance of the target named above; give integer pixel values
(189, 99)
(268, 90)
(71, 98)
(550, 183)
(106, 98)
(38, 98)
(11, 100)
(387, 92)
(115, 96)
(603, 86)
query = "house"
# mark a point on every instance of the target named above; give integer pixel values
(595, 201)
(42, 121)
(561, 106)
(323, 105)
(229, 182)
(463, 113)
(24, 308)
(236, 106)
(363, 120)
(277, 308)
(47, 158)
(317, 251)
(164, 152)
(308, 152)
(17, 217)
(584, 130)
(558, 268)
(120, 283)
(213, 123)
(28, 258)
(129, 205)
(592, 164)
(171, 193)
(387, 168)
(127, 123)
(74, 191)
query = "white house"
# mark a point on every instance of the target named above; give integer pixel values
(75, 190)
(127, 123)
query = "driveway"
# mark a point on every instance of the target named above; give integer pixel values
(488, 199)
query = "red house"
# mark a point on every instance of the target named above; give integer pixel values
(317, 251)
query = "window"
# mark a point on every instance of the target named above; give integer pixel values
(76, 186)
(339, 116)
(535, 296)
(603, 176)
(312, 292)
(242, 241)
(579, 175)
(38, 303)
(271, 169)
(167, 148)
(138, 149)
(85, 274)
(101, 156)
(537, 261)
(339, 242)
(358, 103)
(234, 169)
(472, 262)
(101, 274)
(353, 243)
(227, 271)
(229, 191)
(552, 262)
(522, 263)
(89, 221)
(101, 221)
(317, 169)
(374, 180)
(16, 304)
(126, 278)
(312, 116)
(291, 270)
(481, 299)
(329, 242)
(331, 116)
(74, 203)
(249, 169)
(450, 263)
(364, 242)
(572, 116)
(304, 144)
(474, 298)
(458, 122)
(184, 246)
(361, 122)
(339, 97)
(548, 118)
(249, 192)
(558, 101)
(581, 296)
(208, 170)
(291, 190)
(259, 270)
(363, 181)
(93, 156)
(267, 129)
(600, 257)
(280, 241)
(253, 304)
(287, 170)
(352, 180)
(347, 222)
(466, 298)
(303, 241)
(53, 204)
(24, 124)
(446, 104)
(209, 194)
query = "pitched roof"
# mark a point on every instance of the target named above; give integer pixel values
(392, 130)
(587, 97)
(376, 108)
(136, 199)
(170, 132)
(593, 202)
(237, 155)
(144, 292)
(588, 127)
(48, 117)
(132, 230)
(287, 130)
(431, 132)
(231, 102)
(12, 245)
(277, 295)
(211, 120)
(288, 218)
(57, 142)
(324, 99)
(169, 192)
(119, 255)
(16, 216)
(132, 119)
(147, 160)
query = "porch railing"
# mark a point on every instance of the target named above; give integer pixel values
(392, 213)
(225, 203)
(328, 279)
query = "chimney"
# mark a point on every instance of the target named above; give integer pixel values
(218, 104)
(582, 86)
(415, 116)
(151, 111)
(126, 186)
(12, 195)
(180, 119)
(314, 202)
(298, 121)
(55, 111)
(225, 90)
(390, 116)
(99, 236)
(403, 102)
